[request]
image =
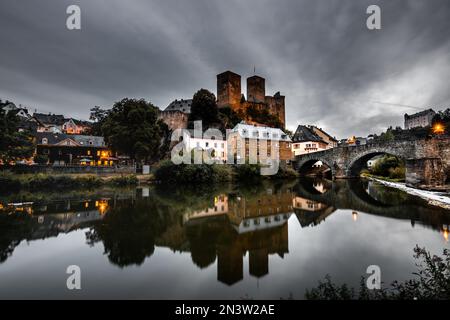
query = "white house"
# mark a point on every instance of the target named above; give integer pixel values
(218, 147)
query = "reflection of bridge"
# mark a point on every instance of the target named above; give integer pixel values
(353, 195)
(427, 160)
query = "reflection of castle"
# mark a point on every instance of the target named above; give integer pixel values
(237, 225)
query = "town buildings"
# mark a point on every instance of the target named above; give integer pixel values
(182, 105)
(307, 140)
(63, 149)
(419, 119)
(229, 95)
(255, 142)
(216, 147)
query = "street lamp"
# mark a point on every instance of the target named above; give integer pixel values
(438, 128)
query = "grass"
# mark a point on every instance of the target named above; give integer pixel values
(369, 175)
(10, 182)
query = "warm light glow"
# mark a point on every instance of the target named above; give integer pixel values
(355, 215)
(438, 128)
(102, 206)
(445, 233)
(86, 204)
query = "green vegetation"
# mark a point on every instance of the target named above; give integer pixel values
(204, 107)
(14, 145)
(388, 168)
(432, 282)
(169, 173)
(263, 116)
(13, 182)
(121, 181)
(132, 128)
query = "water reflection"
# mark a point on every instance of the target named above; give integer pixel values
(221, 226)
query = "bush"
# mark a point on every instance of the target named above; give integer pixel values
(285, 173)
(248, 171)
(397, 173)
(168, 172)
(129, 180)
(432, 282)
(40, 159)
(383, 166)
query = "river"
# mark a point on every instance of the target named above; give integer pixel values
(269, 240)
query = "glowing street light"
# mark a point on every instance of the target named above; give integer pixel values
(438, 128)
(355, 215)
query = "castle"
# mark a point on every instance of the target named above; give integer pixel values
(229, 95)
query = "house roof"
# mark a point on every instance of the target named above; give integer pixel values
(421, 113)
(183, 105)
(260, 132)
(81, 140)
(325, 133)
(304, 133)
(54, 119)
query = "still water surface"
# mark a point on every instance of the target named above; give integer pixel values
(265, 241)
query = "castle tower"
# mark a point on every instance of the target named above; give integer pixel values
(256, 89)
(229, 90)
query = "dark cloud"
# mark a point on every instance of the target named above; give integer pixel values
(320, 54)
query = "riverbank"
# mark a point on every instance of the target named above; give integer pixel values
(433, 198)
(10, 182)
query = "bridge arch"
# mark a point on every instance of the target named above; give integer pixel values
(305, 166)
(359, 162)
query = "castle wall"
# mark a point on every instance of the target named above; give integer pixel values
(229, 90)
(256, 89)
(174, 119)
(276, 106)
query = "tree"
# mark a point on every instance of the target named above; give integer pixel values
(229, 118)
(387, 136)
(263, 116)
(132, 127)
(98, 115)
(14, 145)
(204, 107)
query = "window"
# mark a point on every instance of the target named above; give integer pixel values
(44, 141)
(206, 144)
(215, 145)
(223, 145)
(89, 152)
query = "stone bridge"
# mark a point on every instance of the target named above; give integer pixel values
(427, 160)
(362, 196)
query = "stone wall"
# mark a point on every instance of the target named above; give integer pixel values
(229, 90)
(425, 173)
(174, 119)
(256, 89)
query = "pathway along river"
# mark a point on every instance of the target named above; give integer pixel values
(270, 240)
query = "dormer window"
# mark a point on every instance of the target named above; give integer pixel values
(44, 141)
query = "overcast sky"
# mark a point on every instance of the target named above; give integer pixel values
(334, 72)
